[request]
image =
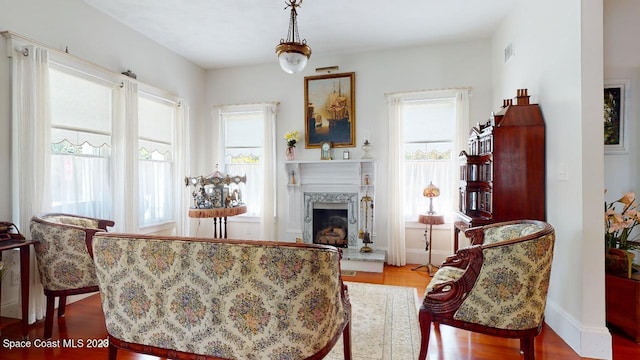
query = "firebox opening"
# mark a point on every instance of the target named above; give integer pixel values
(330, 227)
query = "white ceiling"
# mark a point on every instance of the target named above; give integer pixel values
(224, 33)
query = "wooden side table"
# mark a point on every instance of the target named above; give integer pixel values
(622, 299)
(24, 246)
(219, 215)
(429, 220)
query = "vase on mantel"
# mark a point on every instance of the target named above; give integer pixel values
(290, 153)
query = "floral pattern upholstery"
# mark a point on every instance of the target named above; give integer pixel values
(443, 275)
(511, 289)
(63, 259)
(507, 232)
(230, 299)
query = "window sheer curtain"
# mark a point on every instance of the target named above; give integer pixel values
(268, 218)
(31, 148)
(397, 254)
(403, 200)
(84, 185)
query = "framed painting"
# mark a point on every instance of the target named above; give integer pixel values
(615, 117)
(329, 110)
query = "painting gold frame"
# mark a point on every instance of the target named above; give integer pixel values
(329, 110)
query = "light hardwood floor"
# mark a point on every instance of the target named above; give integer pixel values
(84, 320)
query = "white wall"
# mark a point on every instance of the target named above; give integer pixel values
(97, 38)
(377, 73)
(558, 47)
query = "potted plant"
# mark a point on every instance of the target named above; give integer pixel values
(620, 218)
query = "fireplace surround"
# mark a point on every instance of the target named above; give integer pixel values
(330, 201)
(328, 184)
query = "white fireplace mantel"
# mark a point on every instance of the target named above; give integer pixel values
(330, 177)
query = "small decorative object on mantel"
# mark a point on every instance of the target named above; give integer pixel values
(215, 190)
(621, 217)
(366, 221)
(325, 151)
(292, 181)
(366, 147)
(292, 138)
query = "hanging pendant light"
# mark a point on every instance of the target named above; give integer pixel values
(293, 54)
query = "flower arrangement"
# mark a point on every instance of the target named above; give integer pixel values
(620, 224)
(292, 138)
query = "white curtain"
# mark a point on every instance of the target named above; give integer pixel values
(396, 254)
(31, 151)
(462, 135)
(268, 218)
(417, 177)
(181, 168)
(79, 187)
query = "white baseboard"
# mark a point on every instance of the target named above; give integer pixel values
(11, 310)
(587, 342)
(420, 256)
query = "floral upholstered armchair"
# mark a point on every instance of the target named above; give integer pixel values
(64, 256)
(181, 297)
(497, 286)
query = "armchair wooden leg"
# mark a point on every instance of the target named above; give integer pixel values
(113, 352)
(62, 303)
(48, 317)
(425, 329)
(526, 348)
(346, 341)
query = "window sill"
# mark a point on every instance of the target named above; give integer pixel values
(418, 225)
(244, 219)
(169, 225)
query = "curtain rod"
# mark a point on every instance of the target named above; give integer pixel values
(247, 104)
(412, 92)
(10, 35)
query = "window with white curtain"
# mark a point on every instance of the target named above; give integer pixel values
(115, 149)
(156, 123)
(428, 138)
(243, 133)
(81, 130)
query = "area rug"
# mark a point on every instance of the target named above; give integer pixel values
(384, 323)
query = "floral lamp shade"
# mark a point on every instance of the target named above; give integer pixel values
(430, 192)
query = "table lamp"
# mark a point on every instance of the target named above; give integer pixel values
(431, 191)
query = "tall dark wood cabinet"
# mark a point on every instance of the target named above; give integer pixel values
(502, 174)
